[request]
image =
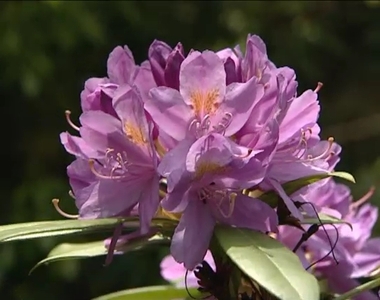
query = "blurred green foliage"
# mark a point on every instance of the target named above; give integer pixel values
(49, 48)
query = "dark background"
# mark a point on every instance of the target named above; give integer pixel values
(48, 49)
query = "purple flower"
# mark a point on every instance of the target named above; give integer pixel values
(165, 63)
(203, 103)
(176, 273)
(205, 179)
(116, 164)
(357, 253)
(122, 70)
(289, 121)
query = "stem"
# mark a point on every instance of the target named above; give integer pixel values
(359, 289)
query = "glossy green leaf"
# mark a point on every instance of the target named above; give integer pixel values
(24, 231)
(269, 263)
(360, 289)
(163, 292)
(293, 186)
(324, 219)
(68, 251)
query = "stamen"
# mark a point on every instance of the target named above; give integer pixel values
(93, 170)
(61, 212)
(194, 126)
(326, 153)
(363, 199)
(318, 88)
(224, 123)
(205, 123)
(231, 201)
(71, 194)
(68, 113)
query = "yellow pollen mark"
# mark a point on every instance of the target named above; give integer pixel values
(134, 133)
(204, 102)
(162, 213)
(160, 149)
(207, 167)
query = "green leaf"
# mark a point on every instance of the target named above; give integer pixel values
(163, 292)
(269, 263)
(324, 219)
(24, 231)
(293, 186)
(68, 251)
(360, 289)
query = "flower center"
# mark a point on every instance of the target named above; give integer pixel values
(207, 167)
(204, 103)
(200, 128)
(220, 197)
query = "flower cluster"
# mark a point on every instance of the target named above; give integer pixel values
(193, 136)
(340, 253)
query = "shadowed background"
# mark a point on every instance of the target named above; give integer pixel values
(48, 49)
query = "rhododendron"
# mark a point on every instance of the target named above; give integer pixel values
(116, 167)
(205, 184)
(338, 253)
(203, 103)
(208, 140)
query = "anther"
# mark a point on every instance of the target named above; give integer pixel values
(68, 113)
(318, 88)
(61, 212)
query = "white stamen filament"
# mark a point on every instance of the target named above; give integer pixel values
(363, 199)
(318, 88)
(71, 194)
(96, 173)
(207, 194)
(61, 212)
(223, 124)
(326, 154)
(68, 113)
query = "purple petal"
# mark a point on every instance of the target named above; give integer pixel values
(176, 273)
(249, 213)
(231, 63)
(368, 259)
(78, 147)
(158, 55)
(144, 81)
(99, 198)
(202, 82)
(102, 131)
(239, 102)
(173, 164)
(148, 204)
(210, 149)
(264, 109)
(169, 112)
(121, 65)
(192, 236)
(342, 284)
(130, 109)
(302, 113)
(173, 66)
(288, 202)
(177, 200)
